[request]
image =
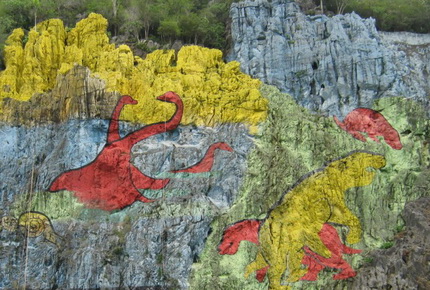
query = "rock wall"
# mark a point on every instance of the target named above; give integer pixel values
(329, 64)
(178, 171)
(400, 266)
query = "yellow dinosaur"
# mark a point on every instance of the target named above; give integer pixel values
(295, 221)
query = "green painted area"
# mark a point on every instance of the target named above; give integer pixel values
(57, 205)
(63, 205)
(294, 142)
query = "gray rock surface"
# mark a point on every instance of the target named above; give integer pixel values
(406, 264)
(332, 64)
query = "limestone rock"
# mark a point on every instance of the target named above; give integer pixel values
(333, 65)
(42, 68)
(76, 95)
(403, 266)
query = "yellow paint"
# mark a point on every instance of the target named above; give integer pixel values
(213, 92)
(36, 224)
(32, 68)
(296, 221)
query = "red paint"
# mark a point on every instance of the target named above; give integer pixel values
(373, 124)
(207, 162)
(261, 274)
(110, 181)
(316, 263)
(246, 230)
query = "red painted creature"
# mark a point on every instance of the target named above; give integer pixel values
(247, 230)
(111, 181)
(373, 123)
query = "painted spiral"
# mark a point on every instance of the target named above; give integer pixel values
(34, 223)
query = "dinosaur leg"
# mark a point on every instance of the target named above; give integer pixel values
(350, 251)
(141, 181)
(345, 217)
(339, 123)
(316, 263)
(314, 266)
(314, 242)
(331, 239)
(294, 261)
(346, 272)
(275, 273)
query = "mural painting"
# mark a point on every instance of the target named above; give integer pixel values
(111, 181)
(32, 224)
(295, 240)
(297, 229)
(316, 263)
(373, 123)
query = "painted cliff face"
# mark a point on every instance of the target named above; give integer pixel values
(137, 191)
(297, 230)
(32, 224)
(111, 181)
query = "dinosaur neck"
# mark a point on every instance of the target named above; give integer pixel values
(210, 154)
(155, 129)
(113, 131)
(177, 117)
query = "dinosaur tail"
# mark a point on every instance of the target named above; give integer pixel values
(339, 123)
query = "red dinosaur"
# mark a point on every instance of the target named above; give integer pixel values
(111, 181)
(372, 123)
(316, 263)
(207, 162)
(247, 230)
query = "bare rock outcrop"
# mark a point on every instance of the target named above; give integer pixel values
(329, 64)
(401, 266)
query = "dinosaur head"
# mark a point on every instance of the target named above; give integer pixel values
(357, 169)
(128, 100)
(170, 97)
(223, 146)
(391, 136)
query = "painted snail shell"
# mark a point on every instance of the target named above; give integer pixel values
(34, 223)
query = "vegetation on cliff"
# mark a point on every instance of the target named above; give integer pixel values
(192, 21)
(390, 15)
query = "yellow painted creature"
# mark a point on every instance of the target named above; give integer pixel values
(294, 223)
